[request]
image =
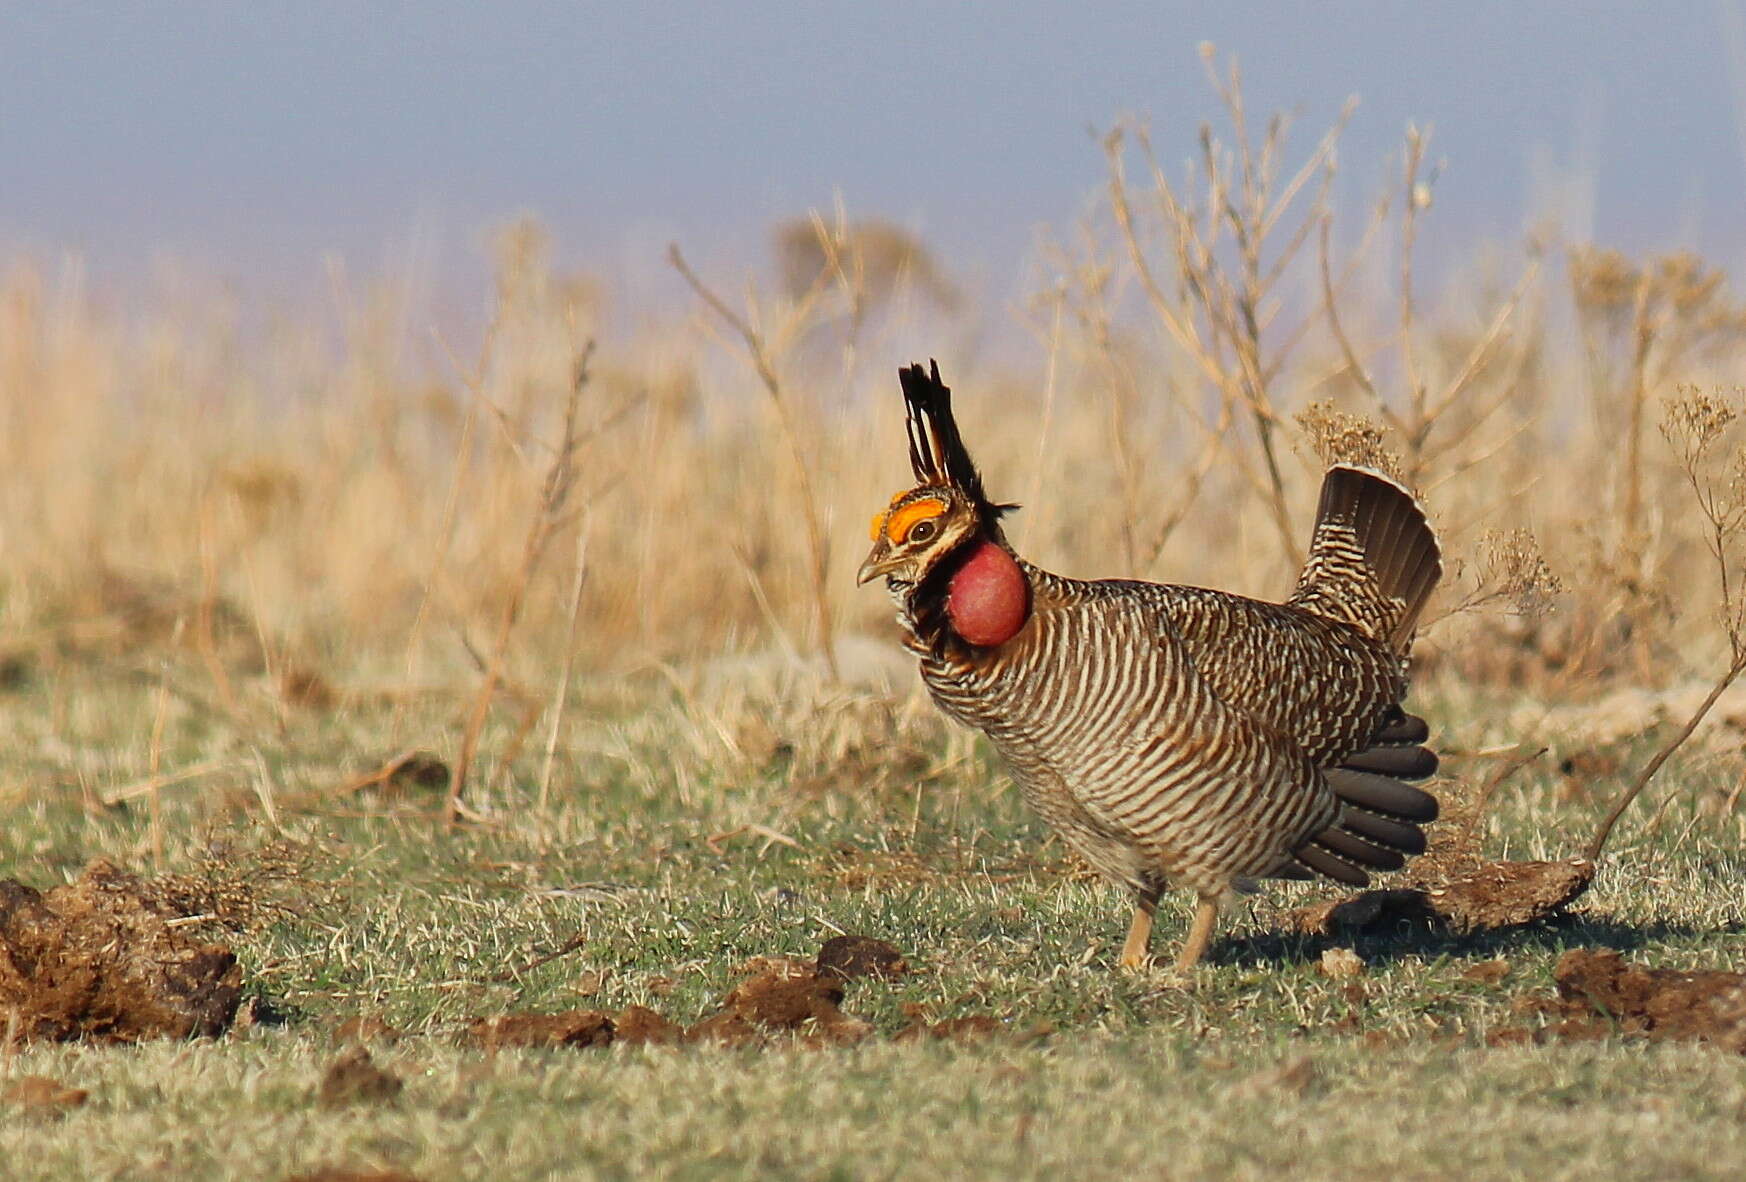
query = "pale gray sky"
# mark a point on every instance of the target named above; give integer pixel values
(250, 137)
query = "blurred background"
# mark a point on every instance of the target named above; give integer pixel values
(348, 345)
(246, 141)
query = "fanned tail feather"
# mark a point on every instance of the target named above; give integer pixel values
(1373, 560)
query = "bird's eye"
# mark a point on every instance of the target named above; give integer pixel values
(923, 531)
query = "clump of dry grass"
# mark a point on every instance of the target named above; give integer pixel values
(346, 509)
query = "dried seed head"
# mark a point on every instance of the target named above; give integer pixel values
(1343, 438)
(1695, 419)
(1514, 568)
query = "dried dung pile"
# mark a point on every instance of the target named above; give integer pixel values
(99, 959)
(779, 998)
(1491, 896)
(1603, 995)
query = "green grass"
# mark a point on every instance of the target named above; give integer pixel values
(1261, 1067)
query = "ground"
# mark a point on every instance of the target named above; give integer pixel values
(688, 831)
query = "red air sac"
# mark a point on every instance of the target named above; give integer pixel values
(988, 600)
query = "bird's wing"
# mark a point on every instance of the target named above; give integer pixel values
(1321, 683)
(1334, 694)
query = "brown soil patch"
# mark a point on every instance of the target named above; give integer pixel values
(573, 1028)
(1491, 896)
(850, 957)
(779, 997)
(783, 996)
(341, 1174)
(1602, 995)
(640, 1026)
(362, 1029)
(973, 1028)
(1510, 894)
(354, 1079)
(43, 1096)
(98, 959)
(1486, 972)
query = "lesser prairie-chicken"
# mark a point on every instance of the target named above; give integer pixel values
(1176, 735)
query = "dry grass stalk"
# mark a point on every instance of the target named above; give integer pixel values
(363, 510)
(763, 363)
(151, 785)
(9, 1052)
(549, 514)
(1694, 425)
(561, 695)
(1642, 325)
(154, 762)
(445, 532)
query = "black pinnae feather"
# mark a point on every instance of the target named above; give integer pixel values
(920, 398)
(921, 452)
(936, 450)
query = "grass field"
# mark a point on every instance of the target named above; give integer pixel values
(890, 826)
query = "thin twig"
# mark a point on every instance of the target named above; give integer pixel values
(573, 944)
(445, 528)
(1727, 679)
(555, 491)
(818, 546)
(561, 697)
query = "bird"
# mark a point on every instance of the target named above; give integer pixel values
(1176, 736)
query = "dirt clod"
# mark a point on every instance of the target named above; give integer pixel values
(364, 1028)
(1491, 896)
(726, 1028)
(785, 996)
(1510, 894)
(639, 1025)
(300, 685)
(98, 959)
(850, 957)
(971, 1028)
(354, 1079)
(1601, 994)
(1340, 964)
(41, 1095)
(572, 1028)
(1486, 972)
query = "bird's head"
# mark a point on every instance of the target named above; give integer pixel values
(917, 532)
(940, 542)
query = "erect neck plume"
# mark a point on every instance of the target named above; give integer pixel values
(988, 599)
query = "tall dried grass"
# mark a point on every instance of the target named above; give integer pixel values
(304, 503)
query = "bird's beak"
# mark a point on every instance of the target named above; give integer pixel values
(880, 561)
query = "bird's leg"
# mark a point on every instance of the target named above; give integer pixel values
(1206, 917)
(1140, 931)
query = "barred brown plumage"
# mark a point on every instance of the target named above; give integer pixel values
(1176, 735)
